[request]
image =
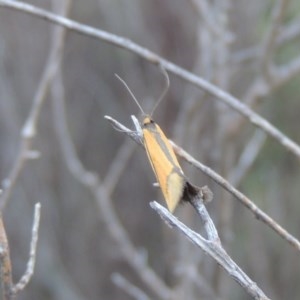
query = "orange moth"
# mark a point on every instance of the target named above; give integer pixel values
(172, 181)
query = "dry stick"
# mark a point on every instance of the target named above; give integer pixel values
(32, 254)
(107, 212)
(214, 249)
(247, 157)
(150, 56)
(30, 127)
(270, 40)
(5, 264)
(132, 290)
(204, 10)
(9, 290)
(258, 213)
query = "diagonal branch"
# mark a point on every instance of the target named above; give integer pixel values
(258, 213)
(146, 54)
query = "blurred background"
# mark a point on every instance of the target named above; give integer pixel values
(96, 222)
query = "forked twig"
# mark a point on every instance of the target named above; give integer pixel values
(214, 249)
(212, 245)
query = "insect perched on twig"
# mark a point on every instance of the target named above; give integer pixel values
(174, 184)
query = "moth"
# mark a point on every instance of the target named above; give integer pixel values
(173, 183)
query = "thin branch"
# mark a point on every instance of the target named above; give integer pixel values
(215, 250)
(208, 224)
(9, 290)
(146, 54)
(287, 34)
(5, 264)
(270, 40)
(205, 13)
(29, 129)
(247, 158)
(132, 290)
(32, 254)
(258, 213)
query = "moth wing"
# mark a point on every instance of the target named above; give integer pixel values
(165, 166)
(175, 187)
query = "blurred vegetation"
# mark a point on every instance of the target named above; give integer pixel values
(76, 254)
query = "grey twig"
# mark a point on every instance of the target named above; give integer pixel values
(32, 254)
(215, 250)
(258, 213)
(247, 158)
(287, 34)
(5, 265)
(270, 40)
(9, 291)
(30, 127)
(204, 11)
(146, 54)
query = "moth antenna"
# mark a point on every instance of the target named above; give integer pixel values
(131, 93)
(165, 90)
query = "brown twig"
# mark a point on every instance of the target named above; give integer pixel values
(146, 54)
(214, 249)
(258, 213)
